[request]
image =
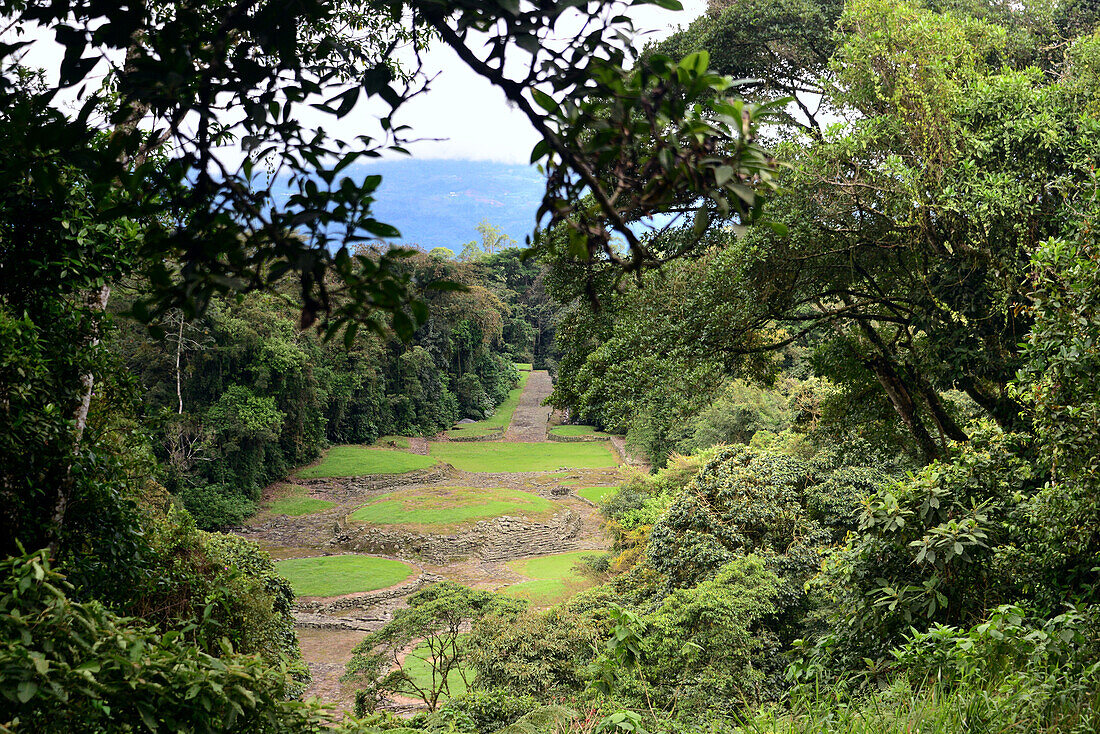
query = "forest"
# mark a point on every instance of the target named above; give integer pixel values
(806, 334)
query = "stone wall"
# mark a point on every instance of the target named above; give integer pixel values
(367, 599)
(575, 439)
(499, 539)
(496, 435)
(351, 486)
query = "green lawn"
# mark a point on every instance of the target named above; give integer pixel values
(595, 494)
(519, 457)
(296, 506)
(420, 671)
(336, 575)
(573, 431)
(392, 442)
(357, 461)
(523, 366)
(500, 418)
(556, 578)
(448, 507)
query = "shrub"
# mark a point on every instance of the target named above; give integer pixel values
(77, 667)
(216, 506)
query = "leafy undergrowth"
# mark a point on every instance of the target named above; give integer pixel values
(337, 575)
(440, 508)
(595, 494)
(500, 418)
(555, 578)
(523, 457)
(357, 461)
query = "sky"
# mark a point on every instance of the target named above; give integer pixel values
(468, 117)
(474, 118)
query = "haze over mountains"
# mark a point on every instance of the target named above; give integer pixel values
(439, 203)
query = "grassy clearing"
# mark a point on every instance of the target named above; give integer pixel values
(450, 507)
(595, 494)
(500, 418)
(358, 461)
(337, 575)
(523, 366)
(556, 578)
(574, 431)
(522, 457)
(298, 506)
(392, 442)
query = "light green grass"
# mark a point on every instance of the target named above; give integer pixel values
(337, 575)
(524, 366)
(522, 457)
(595, 494)
(500, 418)
(297, 506)
(556, 578)
(573, 431)
(396, 442)
(448, 507)
(416, 666)
(358, 461)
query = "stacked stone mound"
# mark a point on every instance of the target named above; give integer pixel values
(354, 486)
(367, 599)
(499, 539)
(496, 435)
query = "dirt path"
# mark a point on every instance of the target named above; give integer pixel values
(529, 421)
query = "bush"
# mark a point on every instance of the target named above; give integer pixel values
(216, 506)
(76, 667)
(485, 710)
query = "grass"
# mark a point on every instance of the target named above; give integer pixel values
(357, 461)
(392, 442)
(297, 506)
(337, 575)
(595, 494)
(523, 457)
(500, 418)
(417, 667)
(556, 578)
(524, 366)
(573, 431)
(449, 507)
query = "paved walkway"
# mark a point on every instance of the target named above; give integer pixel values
(529, 421)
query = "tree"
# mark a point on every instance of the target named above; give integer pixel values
(493, 240)
(432, 629)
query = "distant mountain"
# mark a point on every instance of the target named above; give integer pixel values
(439, 203)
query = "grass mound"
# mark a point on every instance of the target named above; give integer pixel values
(577, 431)
(556, 578)
(523, 366)
(298, 506)
(472, 432)
(449, 507)
(392, 442)
(595, 494)
(522, 457)
(337, 575)
(358, 461)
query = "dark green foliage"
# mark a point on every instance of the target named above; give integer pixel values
(216, 506)
(943, 546)
(76, 667)
(540, 653)
(485, 710)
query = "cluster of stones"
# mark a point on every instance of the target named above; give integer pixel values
(499, 539)
(367, 599)
(575, 439)
(356, 486)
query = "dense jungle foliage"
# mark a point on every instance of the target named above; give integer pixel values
(865, 369)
